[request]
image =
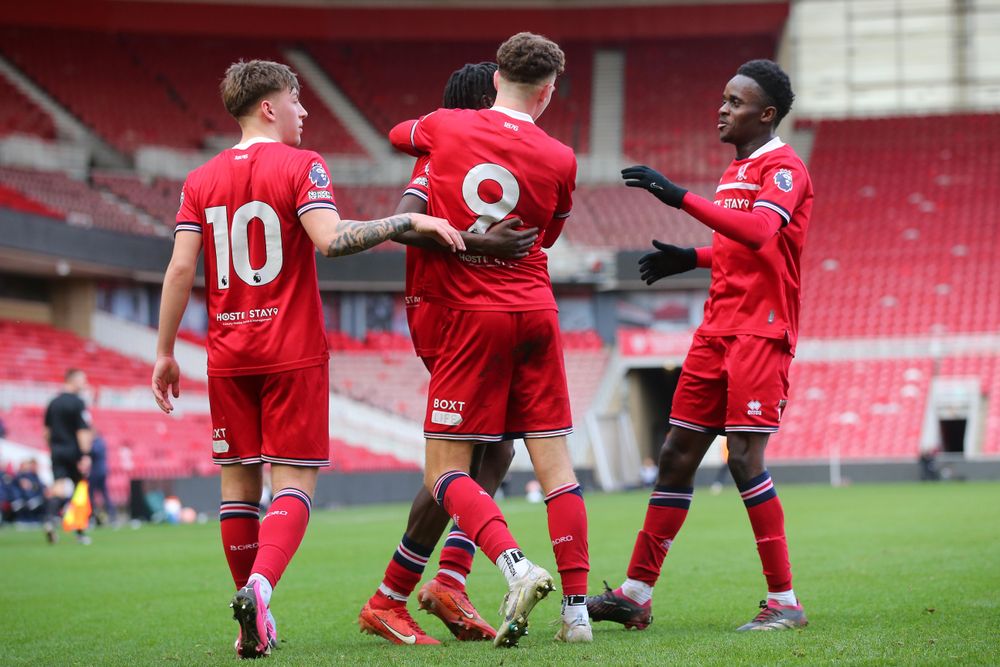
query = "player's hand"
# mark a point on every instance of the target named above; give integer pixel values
(668, 260)
(439, 229)
(83, 465)
(166, 373)
(503, 240)
(646, 178)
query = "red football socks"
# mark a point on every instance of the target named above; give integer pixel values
(668, 507)
(239, 523)
(568, 531)
(404, 570)
(768, 521)
(281, 532)
(475, 511)
(455, 561)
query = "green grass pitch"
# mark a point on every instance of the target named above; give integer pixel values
(889, 574)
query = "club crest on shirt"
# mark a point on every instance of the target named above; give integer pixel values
(783, 179)
(317, 174)
(421, 180)
(182, 200)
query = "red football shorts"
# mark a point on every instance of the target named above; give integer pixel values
(274, 418)
(498, 376)
(732, 383)
(426, 322)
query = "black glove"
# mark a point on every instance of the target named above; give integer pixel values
(649, 179)
(669, 260)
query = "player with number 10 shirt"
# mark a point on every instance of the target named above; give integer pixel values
(259, 209)
(269, 318)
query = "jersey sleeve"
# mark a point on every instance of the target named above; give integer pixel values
(782, 188)
(313, 188)
(188, 218)
(566, 188)
(419, 185)
(423, 131)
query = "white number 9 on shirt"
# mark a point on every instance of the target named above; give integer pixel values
(489, 213)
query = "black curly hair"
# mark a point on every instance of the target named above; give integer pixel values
(468, 85)
(774, 82)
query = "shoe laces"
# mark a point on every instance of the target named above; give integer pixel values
(403, 614)
(766, 613)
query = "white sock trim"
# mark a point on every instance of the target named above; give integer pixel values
(513, 564)
(451, 573)
(574, 607)
(265, 587)
(637, 591)
(785, 598)
(391, 594)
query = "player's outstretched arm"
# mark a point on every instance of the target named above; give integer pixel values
(752, 229)
(335, 237)
(177, 283)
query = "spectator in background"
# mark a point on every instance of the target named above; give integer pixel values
(8, 494)
(3, 429)
(99, 481)
(31, 501)
(68, 432)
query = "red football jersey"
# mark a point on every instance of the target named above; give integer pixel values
(415, 273)
(264, 310)
(757, 291)
(488, 165)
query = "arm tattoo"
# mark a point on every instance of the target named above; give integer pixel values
(354, 235)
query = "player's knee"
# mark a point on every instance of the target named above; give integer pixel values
(744, 466)
(673, 459)
(430, 479)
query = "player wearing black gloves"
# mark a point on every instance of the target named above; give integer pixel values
(735, 377)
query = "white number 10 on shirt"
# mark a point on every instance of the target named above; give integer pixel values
(489, 213)
(217, 217)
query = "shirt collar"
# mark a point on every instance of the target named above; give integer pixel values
(520, 115)
(256, 140)
(772, 145)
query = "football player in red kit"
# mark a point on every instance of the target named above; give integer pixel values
(735, 377)
(259, 210)
(385, 614)
(499, 371)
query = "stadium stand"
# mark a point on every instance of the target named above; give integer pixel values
(14, 199)
(97, 79)
(41, 353)
(192, 67)
(20, 115)
(74, 201)
(672, 89)
(159, 198)
(896, 244)
(369, 74)
(865, 409)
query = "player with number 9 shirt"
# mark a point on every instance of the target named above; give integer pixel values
(260, 209)
(500, 373)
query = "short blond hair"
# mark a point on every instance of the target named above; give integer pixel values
(530, 58)
(246, 83)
